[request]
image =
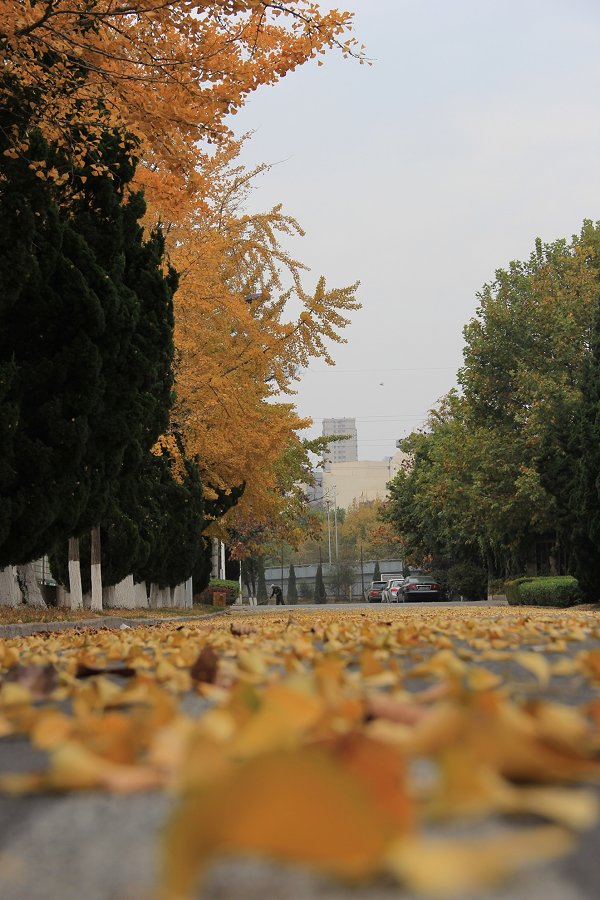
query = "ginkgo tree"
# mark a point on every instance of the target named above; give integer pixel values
(245, 326)
(169, 72)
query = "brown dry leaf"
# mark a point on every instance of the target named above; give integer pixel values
(238, 629)
(206, 666)
(40, 680)
(123, 671)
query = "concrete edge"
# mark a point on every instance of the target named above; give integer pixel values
(26, 629)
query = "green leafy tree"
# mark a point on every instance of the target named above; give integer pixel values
(376, 571)
(292, 591)
(486, 473)
(261, 590)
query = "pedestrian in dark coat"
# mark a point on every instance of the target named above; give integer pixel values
(278, 594)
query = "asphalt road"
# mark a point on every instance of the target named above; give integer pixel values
(94, 846)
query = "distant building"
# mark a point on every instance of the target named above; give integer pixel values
(341, 451)
(314, 492)
(347, 482)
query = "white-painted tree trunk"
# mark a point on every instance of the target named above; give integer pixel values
(160, 598)
(87, 600)
(75, 575)
(108, 597)
(63, 598)
(125, 593)
(189, 594)
(178, 596)
(141, 595)
(30, 589)
(10, 593)
(96, 569)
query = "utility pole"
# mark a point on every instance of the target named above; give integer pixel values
(335, 520)
(362, 574)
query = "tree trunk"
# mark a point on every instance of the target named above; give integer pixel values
(32, 594)
(178, 596)
(160, 598)
(189, 594)
(96, 569)
(109, 600)
(141, 595)
(10, 594)
(75, 575)
(63, 598)
(125, 593)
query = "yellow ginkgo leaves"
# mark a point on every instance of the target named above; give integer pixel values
(341, 741)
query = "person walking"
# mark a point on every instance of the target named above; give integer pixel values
(278, 594)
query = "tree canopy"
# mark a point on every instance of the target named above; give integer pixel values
(478, 485)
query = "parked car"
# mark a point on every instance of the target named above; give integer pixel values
(390, 593)
(373, 592)
(419, 587)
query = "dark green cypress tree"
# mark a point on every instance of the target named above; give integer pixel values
(376, 571)
(50, 322)
(292, 591)
(320, 592)
(86, 325)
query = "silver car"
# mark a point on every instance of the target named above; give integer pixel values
(391, 593)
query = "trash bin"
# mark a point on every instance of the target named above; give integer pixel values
(219, 598)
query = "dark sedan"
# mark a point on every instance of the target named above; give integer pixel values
(373, 592)
(419, 587)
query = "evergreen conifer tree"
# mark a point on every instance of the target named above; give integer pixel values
(320, 592)
(50, 366)
(292, 591)
(376, 571)
(86, 326)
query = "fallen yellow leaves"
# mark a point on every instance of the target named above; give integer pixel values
(302, 738)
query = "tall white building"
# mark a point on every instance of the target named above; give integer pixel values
(341, 451)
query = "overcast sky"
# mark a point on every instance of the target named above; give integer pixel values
(476, 129)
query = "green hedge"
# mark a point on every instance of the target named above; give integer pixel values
(232, 588)
(559, 590)
(511, 589)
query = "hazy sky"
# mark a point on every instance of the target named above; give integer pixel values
(476, 129)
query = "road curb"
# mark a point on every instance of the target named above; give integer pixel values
(26, 629)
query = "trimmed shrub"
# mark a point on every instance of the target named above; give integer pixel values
(511, 589)
(560, 590)
(205, 596)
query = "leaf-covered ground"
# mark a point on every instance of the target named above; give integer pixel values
(441, 748)
(25, 614)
